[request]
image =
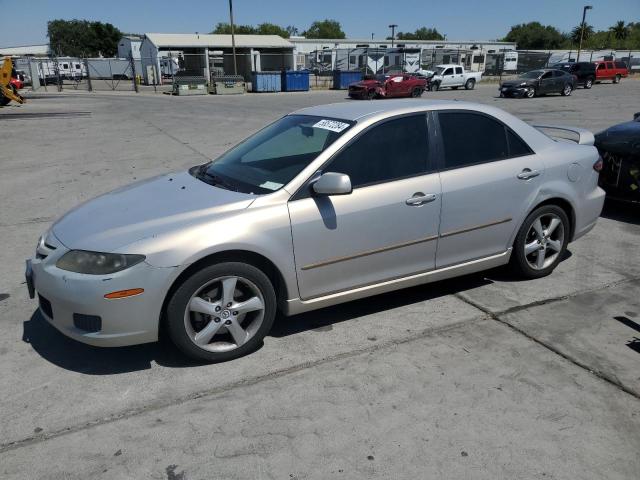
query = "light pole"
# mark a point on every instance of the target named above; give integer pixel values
(233, 39)
(393, 32)
(582, 25)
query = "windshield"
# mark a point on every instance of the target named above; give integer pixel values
(271, 158)
(439, 70)
(532, 74)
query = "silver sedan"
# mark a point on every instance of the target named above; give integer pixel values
(326, 205)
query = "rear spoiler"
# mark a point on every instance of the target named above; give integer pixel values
(585, 137)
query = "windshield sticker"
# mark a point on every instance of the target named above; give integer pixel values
(331, 125)
(271, 185)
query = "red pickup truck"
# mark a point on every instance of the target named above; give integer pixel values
(611, 70)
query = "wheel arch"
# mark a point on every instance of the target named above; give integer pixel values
(564, 205)
(245, 256)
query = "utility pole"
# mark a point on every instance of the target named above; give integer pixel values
(582, 25)
(233, 39)
(393, 32)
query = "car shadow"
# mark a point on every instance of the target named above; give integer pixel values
(324, 318)
(72, 355)
(621, 211)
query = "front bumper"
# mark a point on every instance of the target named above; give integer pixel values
(513, 91)
(68, 299)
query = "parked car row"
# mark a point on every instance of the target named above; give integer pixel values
(563, 78)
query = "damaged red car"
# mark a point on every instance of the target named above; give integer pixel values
(388, 86)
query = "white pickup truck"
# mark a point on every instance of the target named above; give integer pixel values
(453, 76)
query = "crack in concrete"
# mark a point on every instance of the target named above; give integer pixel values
(4, 447)
(175, 139)
(612, 380)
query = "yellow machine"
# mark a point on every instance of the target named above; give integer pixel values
(8, 91)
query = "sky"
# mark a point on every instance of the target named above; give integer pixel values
(25, 22)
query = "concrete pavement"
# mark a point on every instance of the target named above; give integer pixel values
(535, 379)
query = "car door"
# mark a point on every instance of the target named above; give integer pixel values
(448, 78)
(386, 228)
(489, 178)
(546, 83)
(560, 78)
(459, 76)
(394, 86)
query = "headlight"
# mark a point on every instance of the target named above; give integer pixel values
(96, 263)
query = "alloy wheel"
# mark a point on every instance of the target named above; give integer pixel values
(567, 90)
(224, 314)
(544, 241)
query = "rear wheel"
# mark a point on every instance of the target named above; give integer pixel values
(221, 312)
(470, 85)
(616, 79)
(541, 242)
(371, 94)
(566, 91)
(588, 83)
(416, 92)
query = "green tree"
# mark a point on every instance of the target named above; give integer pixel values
(225, 29)
(422, 33)
(272, 29)
(325, 29)
(587, 30)
(534, 35)
(77, 38)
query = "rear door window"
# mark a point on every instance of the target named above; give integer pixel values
(459, 70)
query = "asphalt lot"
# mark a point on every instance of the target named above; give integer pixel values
(479, 377)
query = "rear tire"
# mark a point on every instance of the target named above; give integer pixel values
(371, 95)
(566, 91)
(617, 79)
(416, 93)
(588, 83)
(210, 290)
(544, 232)
(470, 85)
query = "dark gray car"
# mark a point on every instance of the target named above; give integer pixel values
(539, 82)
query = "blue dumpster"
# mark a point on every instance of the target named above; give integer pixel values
(295, 81)
(266, 82)
(342, 78)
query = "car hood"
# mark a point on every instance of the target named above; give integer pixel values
(366, 83)
(145, 209)
(517, 82)
(623, 138)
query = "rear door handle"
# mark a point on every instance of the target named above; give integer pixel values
(527, 173)
(420, 198)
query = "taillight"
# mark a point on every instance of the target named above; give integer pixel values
(598, 166)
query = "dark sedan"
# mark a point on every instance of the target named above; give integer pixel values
(538, 82)
(619, 147)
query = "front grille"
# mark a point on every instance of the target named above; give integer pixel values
(45, 305)
(88, 323)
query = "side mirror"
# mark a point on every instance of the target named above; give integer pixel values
(332, 183)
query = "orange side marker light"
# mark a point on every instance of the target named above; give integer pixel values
(124, 293)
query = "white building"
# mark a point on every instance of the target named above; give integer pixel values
(129, 46)
(203, 54)
(25, 51)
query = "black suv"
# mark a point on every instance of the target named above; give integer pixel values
(585, 72)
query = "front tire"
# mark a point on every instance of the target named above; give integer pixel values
(530, 93)
(470, 85)
(541, 242)
(371, 95)
(617, 79)
(436, 86)
(221, 312)
(589, 83)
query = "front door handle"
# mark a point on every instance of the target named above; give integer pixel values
(420, 198)
(527, 173)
